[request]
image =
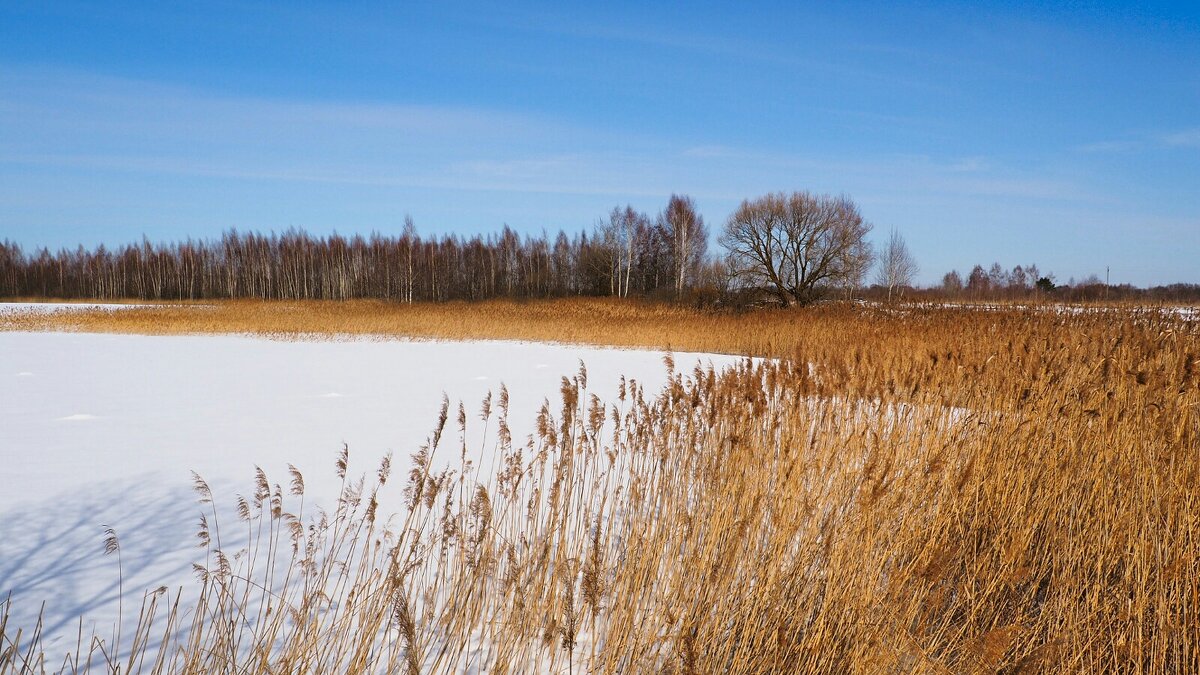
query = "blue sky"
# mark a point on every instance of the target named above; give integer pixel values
(1069, 137)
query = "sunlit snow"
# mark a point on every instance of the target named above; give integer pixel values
(105, 429)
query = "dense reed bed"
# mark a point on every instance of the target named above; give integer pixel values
(597, 321)
(919, 490)
(586, 320)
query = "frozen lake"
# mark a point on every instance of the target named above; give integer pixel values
(58, 307)
(105, 430)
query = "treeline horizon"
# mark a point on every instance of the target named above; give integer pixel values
(628, 255)
(408, 267)
(999, 283)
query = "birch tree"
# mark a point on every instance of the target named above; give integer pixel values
(689, 238)
(897, 267)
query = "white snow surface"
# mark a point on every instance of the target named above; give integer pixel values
(59, 307)
(104, 430)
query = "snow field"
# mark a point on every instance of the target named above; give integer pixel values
(104, 430)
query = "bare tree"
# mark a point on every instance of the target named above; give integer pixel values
(1018, 279)
(408, 241)
(897, 267)
(1032, 273)
(952, 283)
(796, 244)
(977, 281)
(997, 276)
(689, 238)
(622, 235)
(857, 264)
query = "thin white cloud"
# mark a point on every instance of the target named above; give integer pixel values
(721, 45)
(1189, 138)
(1111, 146)
(970, 165)
(113, 103)
(520, 168)
(100, 140)
(712, 152)
(76, 120)
(1185, 138)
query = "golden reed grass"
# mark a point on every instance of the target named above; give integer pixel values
(591, 321)
(911, 490)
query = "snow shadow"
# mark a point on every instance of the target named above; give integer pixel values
(52, 558)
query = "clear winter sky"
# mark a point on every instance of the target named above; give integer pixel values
(1068, 137)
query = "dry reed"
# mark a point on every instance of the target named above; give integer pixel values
(926, 491)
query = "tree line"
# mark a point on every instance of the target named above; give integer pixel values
(1024, 282)
(998, 282)
(792, 248)
(628, 254)
(785, 248)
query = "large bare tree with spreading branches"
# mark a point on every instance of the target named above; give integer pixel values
(796, 245)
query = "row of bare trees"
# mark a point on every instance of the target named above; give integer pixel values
(630, 253)
(789, 248)
(997, 282)
(1028, 282)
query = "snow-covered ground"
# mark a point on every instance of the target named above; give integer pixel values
(58, 307)
(1182, 311)
(104, 430)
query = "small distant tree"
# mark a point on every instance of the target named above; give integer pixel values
(997, 276)
(1045, 285)
(897, 267)
(1018, 279)
(977, 282)
(952, 283)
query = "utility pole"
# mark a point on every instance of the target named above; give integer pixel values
(1106, 283)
